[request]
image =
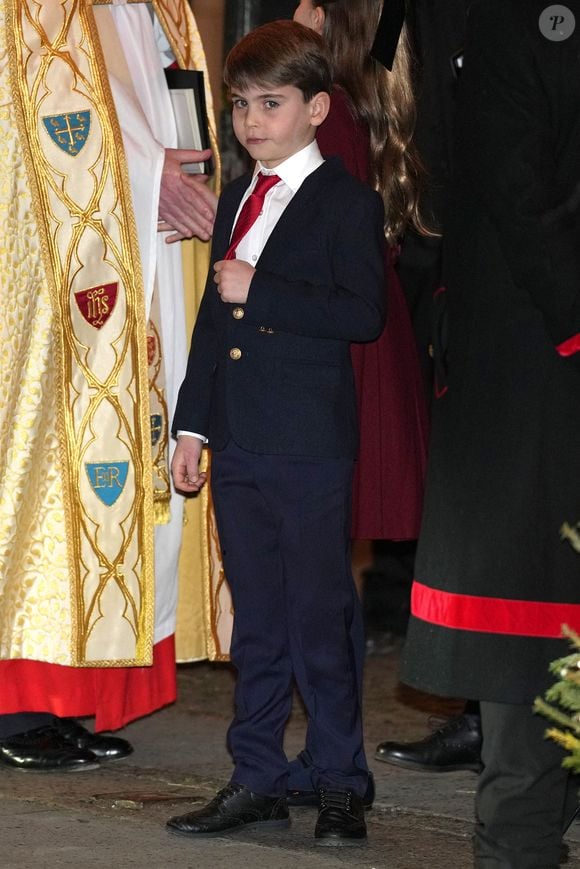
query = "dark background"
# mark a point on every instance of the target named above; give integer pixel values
(244, 15)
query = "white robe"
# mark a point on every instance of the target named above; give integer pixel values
(148, 127)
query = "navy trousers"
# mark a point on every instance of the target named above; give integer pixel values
(284, 526)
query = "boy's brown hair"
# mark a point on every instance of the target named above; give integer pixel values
(280, 53)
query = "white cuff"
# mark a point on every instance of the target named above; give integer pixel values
(191, 434)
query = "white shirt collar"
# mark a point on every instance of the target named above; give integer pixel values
(296, 168)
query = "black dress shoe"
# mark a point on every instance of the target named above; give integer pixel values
(297, 797)
(44, 750)
(341, 818)
(233, 808)
(102, 747)
(453, 746)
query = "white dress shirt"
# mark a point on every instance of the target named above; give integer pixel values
(292, 172)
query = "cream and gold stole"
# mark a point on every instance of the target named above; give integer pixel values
(76, 515)
(205, 611)
(94, 528)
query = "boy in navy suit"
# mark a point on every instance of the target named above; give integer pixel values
(297, 274)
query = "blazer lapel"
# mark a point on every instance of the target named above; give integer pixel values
(291, 216)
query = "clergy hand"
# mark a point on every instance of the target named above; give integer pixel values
(186, 204)
(233, 278)
(185, 465)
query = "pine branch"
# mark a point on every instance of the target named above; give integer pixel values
(566, 693)
(556, 715)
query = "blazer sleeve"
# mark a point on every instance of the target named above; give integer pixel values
(518, 151)
(194, 399)
(351, 305)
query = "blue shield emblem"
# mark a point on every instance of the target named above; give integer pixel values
(156, 427)
(107, 479)
(70, 131)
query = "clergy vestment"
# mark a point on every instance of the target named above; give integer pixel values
(93, 350)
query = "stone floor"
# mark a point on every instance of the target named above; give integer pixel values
(114, 817)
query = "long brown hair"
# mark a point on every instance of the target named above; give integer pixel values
(385, 101)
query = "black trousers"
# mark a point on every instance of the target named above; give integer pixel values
(10, 725)
(525, 799)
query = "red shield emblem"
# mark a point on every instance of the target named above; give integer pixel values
(151, 349)
(96, 304)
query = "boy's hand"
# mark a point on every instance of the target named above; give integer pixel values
(185, 465)
(233, 278)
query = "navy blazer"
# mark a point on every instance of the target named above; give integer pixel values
(275, 374)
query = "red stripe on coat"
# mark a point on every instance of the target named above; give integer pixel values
(492, 615)
(569, 346)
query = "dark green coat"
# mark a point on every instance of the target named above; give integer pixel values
(494, 581)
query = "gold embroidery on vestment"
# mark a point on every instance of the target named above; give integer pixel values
(89, 240)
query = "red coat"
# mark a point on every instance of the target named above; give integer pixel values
(388, 483)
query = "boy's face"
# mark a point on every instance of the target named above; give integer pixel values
(273, 123)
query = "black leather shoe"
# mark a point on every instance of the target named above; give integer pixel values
(296, 797)
(44, 750)
(102, 747)
(233, 808)
(453, 746)
(341, 818)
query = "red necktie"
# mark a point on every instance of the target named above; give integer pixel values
(250, 211)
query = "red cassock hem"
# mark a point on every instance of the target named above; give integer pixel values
(113, 695)
(464, 612)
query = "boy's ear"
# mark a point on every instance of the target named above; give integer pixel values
(319, 107)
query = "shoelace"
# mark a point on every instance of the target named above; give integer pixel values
(335, 799)
(225, 793)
